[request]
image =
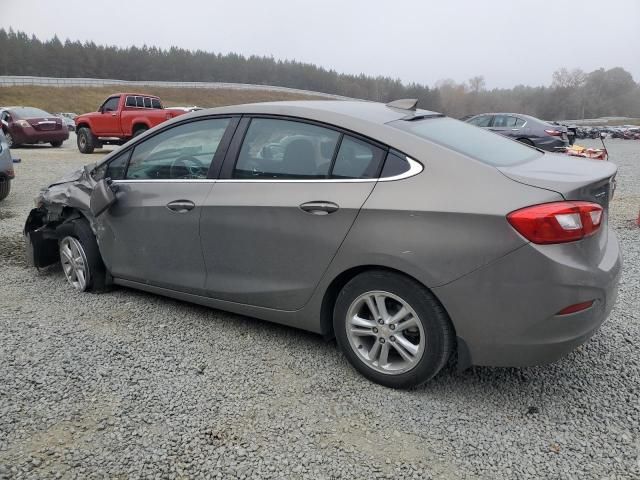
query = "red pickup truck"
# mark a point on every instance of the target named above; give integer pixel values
(121, 117)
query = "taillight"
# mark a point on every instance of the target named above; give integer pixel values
(557, 222)
(578, 307)
(555, 133)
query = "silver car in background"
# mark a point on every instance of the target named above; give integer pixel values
(407, 235)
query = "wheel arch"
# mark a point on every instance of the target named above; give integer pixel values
(339, 281)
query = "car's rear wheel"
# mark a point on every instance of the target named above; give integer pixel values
(56, 144)
(5, 187)
(86, 140)
(80, 256)
(392, 329)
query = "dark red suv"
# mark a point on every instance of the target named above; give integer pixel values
(29, 125)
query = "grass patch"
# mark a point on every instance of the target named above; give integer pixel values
(88, 99)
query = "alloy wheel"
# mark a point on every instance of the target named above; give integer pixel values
(385, 332)
(74, 263)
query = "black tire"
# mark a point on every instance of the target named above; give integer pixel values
(57, 144)
(80, 230)
(5, 187)
(139, 131)
(439, 332)
(86, 140)
(526, 141)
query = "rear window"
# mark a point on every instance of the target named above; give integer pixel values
(29, 112)
(483, 145)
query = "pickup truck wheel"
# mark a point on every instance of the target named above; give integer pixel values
(86, 140)
(56, 144)
(139, 131)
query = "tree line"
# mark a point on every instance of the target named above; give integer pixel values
(571, 95)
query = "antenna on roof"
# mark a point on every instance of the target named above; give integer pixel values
(404, 104)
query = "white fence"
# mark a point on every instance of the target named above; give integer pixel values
(6, 81)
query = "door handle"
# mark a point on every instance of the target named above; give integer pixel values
(181, 206)
(319, 208)
(114, 114)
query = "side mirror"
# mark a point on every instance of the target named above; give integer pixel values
(102, 197)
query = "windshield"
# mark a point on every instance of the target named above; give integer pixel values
(30, 112)
(475, 142)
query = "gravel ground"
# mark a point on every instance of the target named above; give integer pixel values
(132, 385)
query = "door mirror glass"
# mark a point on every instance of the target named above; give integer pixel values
(102, 197)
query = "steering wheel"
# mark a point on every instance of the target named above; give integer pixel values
(186, 167)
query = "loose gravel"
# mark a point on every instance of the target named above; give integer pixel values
(131, 385)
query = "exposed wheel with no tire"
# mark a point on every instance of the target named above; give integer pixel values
(80, 256)
(86, 140)
(392, 329)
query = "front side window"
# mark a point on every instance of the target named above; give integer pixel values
(284, 149)
(111, 105)
(482, 145)
(481, 121)
(182, 152)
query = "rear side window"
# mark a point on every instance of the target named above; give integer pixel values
(356, 159)
(504, 121)
(395, 164)
(477, 143)
(520, 122)
(284, 149)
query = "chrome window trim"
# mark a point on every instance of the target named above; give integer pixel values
(415, 168)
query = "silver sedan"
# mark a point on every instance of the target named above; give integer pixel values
(408, 236)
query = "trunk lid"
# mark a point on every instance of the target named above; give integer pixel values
(45, 124)
(572, 177)
(575, 179)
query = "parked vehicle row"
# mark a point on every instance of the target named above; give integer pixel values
(626, 132)
(30, 125)
(407, 235)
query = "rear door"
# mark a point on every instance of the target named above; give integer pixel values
(288, 194)
(151, 234)
(506, 125)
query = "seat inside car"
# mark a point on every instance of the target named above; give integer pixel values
(299, 158)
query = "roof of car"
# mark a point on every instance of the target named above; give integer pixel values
(347, 113)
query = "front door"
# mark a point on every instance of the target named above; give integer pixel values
(151, 234)
(289, 193)
(108, 122)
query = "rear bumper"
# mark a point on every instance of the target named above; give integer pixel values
(506, 312)
(34, 136)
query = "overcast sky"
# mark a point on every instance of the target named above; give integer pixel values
(509, 42)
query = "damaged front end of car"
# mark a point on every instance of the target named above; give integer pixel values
(77, 195)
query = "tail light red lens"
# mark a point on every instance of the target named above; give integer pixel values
(557, 222)
(554, 133)
(578, 307)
